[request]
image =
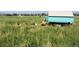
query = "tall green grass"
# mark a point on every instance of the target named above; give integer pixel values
(16, 31)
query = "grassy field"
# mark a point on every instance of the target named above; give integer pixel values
(17, 31)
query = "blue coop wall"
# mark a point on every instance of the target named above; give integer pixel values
(60, 19)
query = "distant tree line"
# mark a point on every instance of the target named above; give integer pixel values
(15, 14)
(76, 14)
(42, 14)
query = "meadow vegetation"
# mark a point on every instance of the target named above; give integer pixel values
(20, 31)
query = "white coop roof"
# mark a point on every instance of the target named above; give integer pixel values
(60, 13)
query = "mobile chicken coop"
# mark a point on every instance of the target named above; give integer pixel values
(60, 17)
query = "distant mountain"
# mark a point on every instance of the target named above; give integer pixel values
(76, 13)
(23, 12)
